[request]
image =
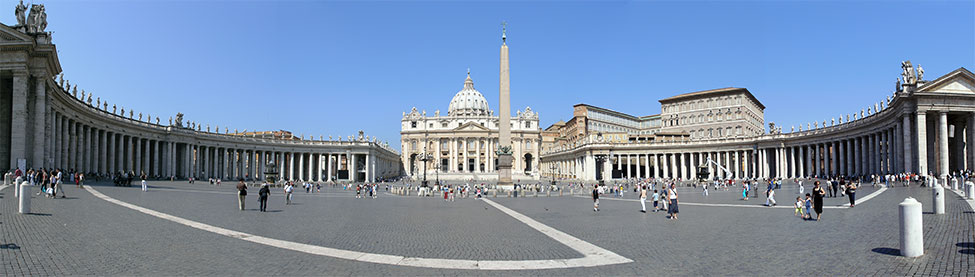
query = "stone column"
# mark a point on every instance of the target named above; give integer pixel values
(745, 162)
(970, 140)
(18, 120)
(137, 152)
(40, 111)
(922, 143)
(943, 144)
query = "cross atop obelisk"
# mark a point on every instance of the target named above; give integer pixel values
(504, 136)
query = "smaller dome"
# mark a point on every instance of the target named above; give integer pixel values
(468, 101)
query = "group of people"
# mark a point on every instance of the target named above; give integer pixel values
(669, 197)
(51, 181)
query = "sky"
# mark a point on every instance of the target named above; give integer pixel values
(334, 68)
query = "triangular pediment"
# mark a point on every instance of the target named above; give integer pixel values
(960, 81)
(471, 126)
(10, 35)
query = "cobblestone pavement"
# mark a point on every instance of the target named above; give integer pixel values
(84, 235)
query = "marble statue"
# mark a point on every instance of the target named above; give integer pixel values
(157, 120)
(235, 131)
(436, 113)
(89, 100)
(350, 138)
(920, 73)
(170, 121)
(908, 74)
(824, 123)
(360, 135)
(140, 116)
(816, 124)
(67, 85)
(74, 91)
(20, 11)
(793, 130)
(131, 114)
(82, 94)
(329, 138)
(208, 127)
(198, 128)
(114, 108)
(876, 107)
(37, 19)
(861, 113)
(800, 127)
(105, 106)
(98, 102)
(847, 117)
(898, 86)
(179, 119)
(808, 126)
(226, 130)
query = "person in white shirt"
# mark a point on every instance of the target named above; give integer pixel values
(288, 190)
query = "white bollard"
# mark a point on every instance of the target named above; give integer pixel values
(6, 179)
(912, 238)
(954, 184)
(938, 195)
(970, 190)
(16, 190)
(25, 199)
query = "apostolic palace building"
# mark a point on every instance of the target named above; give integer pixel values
(46, 123)
(923, 126)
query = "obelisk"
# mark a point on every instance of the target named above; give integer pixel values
(504, 136)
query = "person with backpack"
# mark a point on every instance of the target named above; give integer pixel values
(241, 194)
(262, 196)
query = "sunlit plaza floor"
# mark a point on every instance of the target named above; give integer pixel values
(159, 233)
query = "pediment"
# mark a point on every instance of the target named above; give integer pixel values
(471, 126)
(960, 81)
(11, 35)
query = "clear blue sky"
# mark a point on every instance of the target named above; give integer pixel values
(332, 68)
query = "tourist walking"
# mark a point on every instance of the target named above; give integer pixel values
(595, 198)
(656, 200)
(643, 199)
(288, 190)
(262, 196)
(143, 177)
(836, 188)
(706, 189)
(799, 205)
(851, 190)
(744, 191)
(770, 198)
(241, 193)
(808, 202)
(672, 195)
(818, 194)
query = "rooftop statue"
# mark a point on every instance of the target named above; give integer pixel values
(920, 73)
(20, 11)
(89, 100)
(157, 120)
(179, 119)
(37, 20)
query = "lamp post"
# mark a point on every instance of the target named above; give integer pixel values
(272, 172)
(424, 157)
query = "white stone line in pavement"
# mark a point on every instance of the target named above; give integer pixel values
(841, 206)
(593, 255)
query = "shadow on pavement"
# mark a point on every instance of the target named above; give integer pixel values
(887, 251)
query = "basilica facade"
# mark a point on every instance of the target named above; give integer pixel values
(462, 144)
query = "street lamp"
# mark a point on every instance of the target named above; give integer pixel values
(424, 157)
(272, 172)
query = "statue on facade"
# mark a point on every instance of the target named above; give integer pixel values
(436, 113)
(329, 138)
(861, 113)
(808, 126)
(832, 121)
(179, 119)
(98, 102)
(908, 75)
(105, 106)
(793, 130)
(20, 12)
(82, 95)
(140, 116)
(37, 19)
(157, 120)
(226, 130)
(360, 135)
(800, 127)
(89, 100)
(114, 109)
(920, 73)
(75, 91)
(208, 127)
(131, 114)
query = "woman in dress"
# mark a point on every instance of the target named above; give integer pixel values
(672, 194)
(818, 194)
(851, 190)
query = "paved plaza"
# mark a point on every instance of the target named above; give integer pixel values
(715, 235)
